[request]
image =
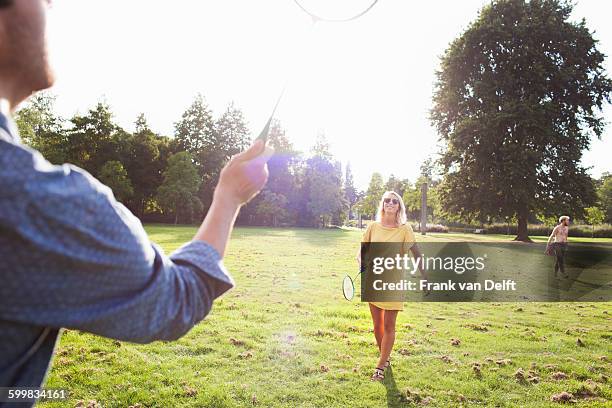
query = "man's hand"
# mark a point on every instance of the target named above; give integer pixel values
(240, 180)
(244, 175)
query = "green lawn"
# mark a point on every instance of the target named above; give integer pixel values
(285, 337)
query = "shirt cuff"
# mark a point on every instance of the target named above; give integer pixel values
(207, 260)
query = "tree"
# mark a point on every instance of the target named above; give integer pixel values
(428, 169)
(428, 175)
(517, 100)
(95, 139)
(231, 132)
(271, 207)
(375, 190)
(178, 193)
(593, 216)
(41, 128)
(604, 193)
(211, 143)
(280, 166)
(394, 184)
(323, 186)
(144, 164)
(194, 132)
(230, 136)
(434, 205)
(412, 201)
(350, 192)
(282, 178)
(114, 176)
(326, 199)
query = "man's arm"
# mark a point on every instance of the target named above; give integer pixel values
(79, 259)
(240, 180)
(552, 234)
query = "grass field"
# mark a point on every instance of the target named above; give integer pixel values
(285, 337)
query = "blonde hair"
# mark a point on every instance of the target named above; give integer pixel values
(563, 217)
(400, 215)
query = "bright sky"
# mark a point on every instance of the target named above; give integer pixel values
(366, 84)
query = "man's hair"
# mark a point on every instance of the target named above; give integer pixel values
(563, 217)
(5, 3)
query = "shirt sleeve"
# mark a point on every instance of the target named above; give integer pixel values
(367, 235)
(83, 261)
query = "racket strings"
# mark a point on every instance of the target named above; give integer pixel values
(315, 19)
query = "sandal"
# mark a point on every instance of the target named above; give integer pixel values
(379, 374)
(387, 364)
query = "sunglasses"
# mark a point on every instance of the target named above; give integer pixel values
(391, 200)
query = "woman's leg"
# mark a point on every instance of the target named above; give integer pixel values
(378, 319)
(388, 336)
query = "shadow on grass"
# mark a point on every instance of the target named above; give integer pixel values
(394, 398)
(323, 237)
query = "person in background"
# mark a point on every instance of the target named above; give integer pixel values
(72, 256)
(557, 244)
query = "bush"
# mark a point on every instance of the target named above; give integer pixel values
(600, 231)
(532, 229)
(355, 223)
(431, 228)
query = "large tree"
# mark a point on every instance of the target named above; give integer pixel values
(517, 100)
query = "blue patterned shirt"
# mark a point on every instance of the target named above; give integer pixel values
(72, 256)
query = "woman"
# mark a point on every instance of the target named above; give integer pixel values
(390, 226)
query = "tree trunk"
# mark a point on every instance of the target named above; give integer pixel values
(522, 234)
(175, 217)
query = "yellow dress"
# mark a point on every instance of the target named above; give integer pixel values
(376, 232)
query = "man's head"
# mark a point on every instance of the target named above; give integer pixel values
(24, 66)
(564, 220)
